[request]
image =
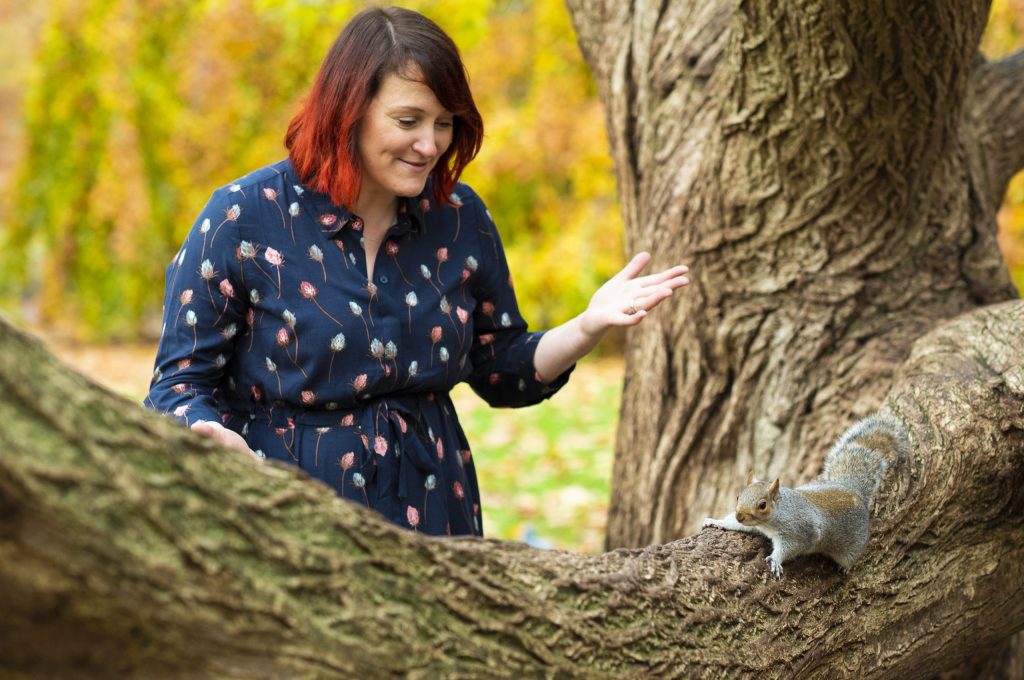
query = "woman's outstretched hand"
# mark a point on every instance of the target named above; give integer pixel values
(222, 436)
(626, 298)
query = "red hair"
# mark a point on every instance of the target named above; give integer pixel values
(376, 43)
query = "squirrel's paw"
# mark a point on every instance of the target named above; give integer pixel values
(712, 522)
(774, 567)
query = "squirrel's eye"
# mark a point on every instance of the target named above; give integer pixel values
(762, 505)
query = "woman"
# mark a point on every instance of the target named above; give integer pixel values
(322, 307)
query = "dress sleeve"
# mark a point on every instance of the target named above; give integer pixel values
(205, 307)
(503, 349)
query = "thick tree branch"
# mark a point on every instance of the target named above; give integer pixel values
(123, 537)
(995, 122)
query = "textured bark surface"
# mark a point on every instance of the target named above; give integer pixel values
(130, 548)
(831, 173)
(830, 170)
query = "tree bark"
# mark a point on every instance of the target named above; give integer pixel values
(831, 173)
(129, 547)
(830, 170)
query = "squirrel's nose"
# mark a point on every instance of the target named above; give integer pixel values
(740, 517)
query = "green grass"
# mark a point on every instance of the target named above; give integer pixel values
(548, 467)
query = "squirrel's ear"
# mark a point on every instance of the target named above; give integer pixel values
(750, 477)
(774, 489)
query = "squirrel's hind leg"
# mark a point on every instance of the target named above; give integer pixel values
(845, 561)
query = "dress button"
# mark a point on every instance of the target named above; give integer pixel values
(383, 278)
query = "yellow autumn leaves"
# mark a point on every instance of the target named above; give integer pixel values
(126, 114)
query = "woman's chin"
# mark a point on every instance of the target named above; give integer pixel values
(411, 189)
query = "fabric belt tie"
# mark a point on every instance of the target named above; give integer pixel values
(389, 429)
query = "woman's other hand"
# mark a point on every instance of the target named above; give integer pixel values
(222, 436)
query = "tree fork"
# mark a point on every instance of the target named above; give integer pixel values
(995, 120)
(129, 546)
(820, 166)
(833, 173)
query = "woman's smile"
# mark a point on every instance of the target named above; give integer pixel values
(418, 166)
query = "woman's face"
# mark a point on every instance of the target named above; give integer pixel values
(404, 132)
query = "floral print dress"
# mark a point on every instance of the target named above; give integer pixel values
(272, 328)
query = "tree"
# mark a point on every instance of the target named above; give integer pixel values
(830, 172)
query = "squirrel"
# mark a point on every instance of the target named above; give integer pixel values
(830, 515)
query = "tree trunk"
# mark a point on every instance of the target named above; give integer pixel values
(831, 173)
(129, 547)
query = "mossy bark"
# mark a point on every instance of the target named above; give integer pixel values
(131, 548)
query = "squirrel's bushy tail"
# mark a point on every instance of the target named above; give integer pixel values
(858, 458)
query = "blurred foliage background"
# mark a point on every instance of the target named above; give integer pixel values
(119, 117)
(1005, 34)
(130, 112)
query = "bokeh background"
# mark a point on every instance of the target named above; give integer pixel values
(119, 117)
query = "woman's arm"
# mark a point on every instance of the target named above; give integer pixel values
(624, 300)
(205, 304)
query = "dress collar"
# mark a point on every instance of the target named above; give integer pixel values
(332, 218)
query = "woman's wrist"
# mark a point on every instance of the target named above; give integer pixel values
(590, 326)
(564, 345)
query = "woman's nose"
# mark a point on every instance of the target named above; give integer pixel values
(426, 145)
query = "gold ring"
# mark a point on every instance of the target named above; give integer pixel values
(631, 310)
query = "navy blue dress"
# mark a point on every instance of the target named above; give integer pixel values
(272, 328)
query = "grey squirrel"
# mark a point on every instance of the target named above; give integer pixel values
(829, 515)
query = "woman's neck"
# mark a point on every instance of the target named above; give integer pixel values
(377, 212)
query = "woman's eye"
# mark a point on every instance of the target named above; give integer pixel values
(446, 124)
(407, 122)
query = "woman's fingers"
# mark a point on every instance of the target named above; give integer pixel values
(677, 273)
(203, 427)
(223, 436)
(643, 299)
(648, 296)
(634, 266)
(645, 303)
(631, 272)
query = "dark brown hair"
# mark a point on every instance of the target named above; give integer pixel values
(376, 43)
